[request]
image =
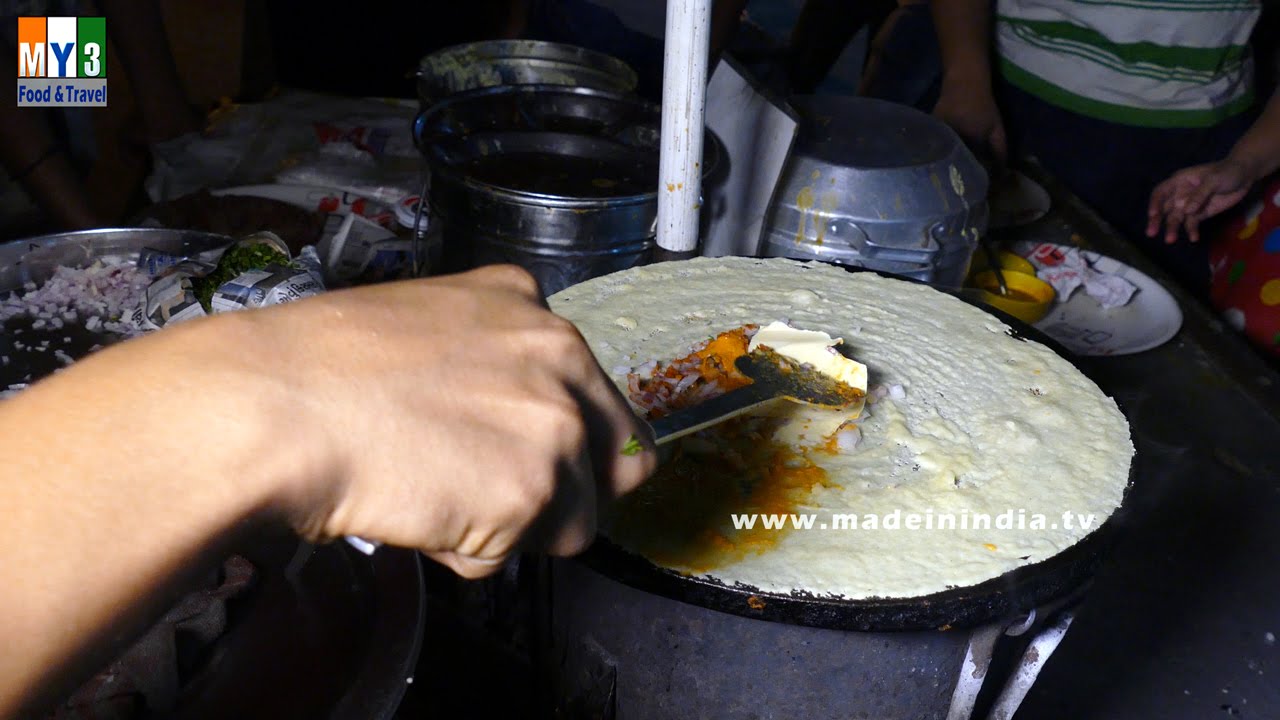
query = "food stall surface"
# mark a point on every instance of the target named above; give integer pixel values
(1182, 619)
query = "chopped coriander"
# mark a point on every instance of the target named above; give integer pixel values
(632, 446)
(236, 260)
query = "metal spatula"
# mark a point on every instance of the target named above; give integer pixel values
(773, 376)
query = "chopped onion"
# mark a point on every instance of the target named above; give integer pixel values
(103, 294)
(848, 437)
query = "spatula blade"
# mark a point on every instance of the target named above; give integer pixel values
(773, 376)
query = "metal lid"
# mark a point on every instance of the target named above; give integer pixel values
(878, 185)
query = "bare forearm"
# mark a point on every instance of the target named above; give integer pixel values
(30, 153)
(964, 36)
(819, 38)
(144, 462)
(137, 27)
(1258, 150)
(112, 499)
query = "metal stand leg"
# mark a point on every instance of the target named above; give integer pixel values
(977, 660)
(1047, 624)
(1033, 659)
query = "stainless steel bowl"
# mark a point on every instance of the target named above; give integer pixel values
(878, 185)
(561, 181)
(518, 62)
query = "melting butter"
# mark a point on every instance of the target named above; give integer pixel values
(807, 425)
(812, 347)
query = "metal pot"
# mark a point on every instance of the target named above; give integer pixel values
(878, 185)
(492, 63)
(561, 181)
(661, 658)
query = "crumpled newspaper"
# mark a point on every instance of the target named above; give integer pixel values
(357, 250)
(171, 297)
(1069, 268)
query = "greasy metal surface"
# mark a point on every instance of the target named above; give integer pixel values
(338, 640)
(878, 185)
(1182, 619)
(642, 656)
(562, 239)
(518, 62)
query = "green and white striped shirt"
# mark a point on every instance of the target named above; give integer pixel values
(1153, 63)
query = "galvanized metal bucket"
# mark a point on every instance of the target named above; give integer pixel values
(561, 181)
(878, 185)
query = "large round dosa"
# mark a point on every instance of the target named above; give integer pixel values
(989, 423)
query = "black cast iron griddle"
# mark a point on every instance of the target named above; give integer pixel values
(1006, 596)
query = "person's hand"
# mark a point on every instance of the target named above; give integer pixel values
(1194, 194)
(973, 114)
(458, 416)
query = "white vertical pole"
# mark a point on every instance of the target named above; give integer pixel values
(684, 95)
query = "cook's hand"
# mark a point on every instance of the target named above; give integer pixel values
(1194, 194)
(458, 416)
(973, 114)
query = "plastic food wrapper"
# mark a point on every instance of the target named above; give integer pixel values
(357, 144)
(172, 296)
(1067, 269)
(358, 250)
(355, 168)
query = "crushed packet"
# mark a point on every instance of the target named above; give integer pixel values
(358, 250)
(1069, 268)
(171, 297)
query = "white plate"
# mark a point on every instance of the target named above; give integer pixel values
(1081, 324)
(1017, 200)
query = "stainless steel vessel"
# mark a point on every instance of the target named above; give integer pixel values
(878, 185)
(561, 181)
(518, 62)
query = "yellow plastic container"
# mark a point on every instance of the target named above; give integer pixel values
(1029, 297)
(1008, 262)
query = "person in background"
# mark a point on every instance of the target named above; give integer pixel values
(1111, 98)
(471, 432)
(821, 33)
(902, 59)
(35, 155)
(595, 27)
(1244, 251)
(370, 50)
